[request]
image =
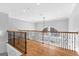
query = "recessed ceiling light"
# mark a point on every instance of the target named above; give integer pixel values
(37, 4)
(26, 10)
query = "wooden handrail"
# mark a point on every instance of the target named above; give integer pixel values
(23, 31)
(64, 38)
(69, 32)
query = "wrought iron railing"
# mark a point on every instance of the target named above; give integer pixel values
(18, 40)
(66, 40)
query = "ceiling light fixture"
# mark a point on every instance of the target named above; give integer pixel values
(37, 4)
(26, 9)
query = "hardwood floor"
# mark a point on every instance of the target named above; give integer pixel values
(38, 49)
(35, 48)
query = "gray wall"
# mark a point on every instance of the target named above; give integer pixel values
(3, 33)
(59, 24)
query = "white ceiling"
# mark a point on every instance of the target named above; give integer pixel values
(33, 12)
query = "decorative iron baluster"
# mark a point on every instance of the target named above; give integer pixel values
(14, 38)
(67, 40)
(72, 41)
(9, 37)
(63, 40)
(42, 38)
(25, 43)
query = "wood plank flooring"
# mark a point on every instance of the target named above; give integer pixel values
(38, 49)
(35, 48)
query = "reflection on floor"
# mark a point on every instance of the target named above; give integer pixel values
(35, 48)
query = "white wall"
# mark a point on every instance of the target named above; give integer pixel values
(19, 24)
(59, 24)
(10, 23)
(3, 33)
(74, 19)
(74, 23)
(12, 51)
